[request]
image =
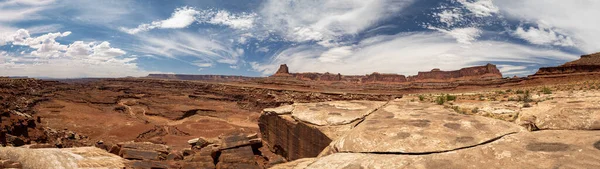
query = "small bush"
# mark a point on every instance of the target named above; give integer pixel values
(527, 97)
(475, 110)
(508, 90)
(500, 92)
(421, 97)
(440, 100)
(526, 105)
(450, 97)
(546, 90)
(520, 92)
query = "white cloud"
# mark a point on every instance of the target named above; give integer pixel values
(52, 59)
(408, 53)
(481, 8)
(182, 44)
(334, 55)
(543, 36)
(326, 20)
(576, 19)
(186, 16)
(449, 17)
(462, 35)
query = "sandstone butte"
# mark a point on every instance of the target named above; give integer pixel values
(487, 72)
(586, 64)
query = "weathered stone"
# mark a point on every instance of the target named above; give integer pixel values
(287, 109)
(291, 139)
(82, 157)
(335, 112)
(147, 164)
(242, 157)
(199, 142)
(413, 127)
(566, 111)
(146, 146)
(198, 165)
(237, 140)
(10, 164)
(175, 156)
(542, 149)
(134, 154)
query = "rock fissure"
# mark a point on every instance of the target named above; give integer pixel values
(436, 152)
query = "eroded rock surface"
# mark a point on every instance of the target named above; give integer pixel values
(82, 157)
(403, 126)
(543, 149)
(565, 111)
(304, 129)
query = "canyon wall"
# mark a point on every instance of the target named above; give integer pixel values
(586, 64)
(199, 77)
(488, 71)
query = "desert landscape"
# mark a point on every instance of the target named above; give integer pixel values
(468, 118)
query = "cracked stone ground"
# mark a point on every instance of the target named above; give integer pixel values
(407, 133)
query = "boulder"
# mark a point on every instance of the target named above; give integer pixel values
(241, 157)
(303, 130)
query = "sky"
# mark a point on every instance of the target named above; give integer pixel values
(118, 38)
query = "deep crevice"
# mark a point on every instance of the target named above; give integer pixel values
(435, 152)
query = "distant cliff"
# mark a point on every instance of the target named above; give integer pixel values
(586, 64)
(199, 77)
(488, 71)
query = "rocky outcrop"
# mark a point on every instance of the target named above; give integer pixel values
(224, 78)
(411, 134)
(304, 129)
(488, 71)
(545, 149)
(586, 64)
(82, 157)
(565, 111)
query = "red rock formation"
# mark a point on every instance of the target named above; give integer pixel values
(282, 71)
(378, 77)
(586, 64)
(199, 77)
(488, 71)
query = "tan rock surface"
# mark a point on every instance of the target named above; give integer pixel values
(565, 111)
(335, 112)
(82, 157)
(414, 127)
(542, 149)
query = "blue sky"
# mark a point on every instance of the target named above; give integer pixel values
(116, 38)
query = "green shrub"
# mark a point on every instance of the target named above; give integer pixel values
(450, 97)
(546, 90)
(475, 110)
(421, 97)
(440, 100)
(520, 92)
(508, 90)
(500, 92)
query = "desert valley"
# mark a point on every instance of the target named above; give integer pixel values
(468, 118)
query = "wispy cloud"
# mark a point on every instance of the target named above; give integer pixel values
(407, 54)
(186, 16)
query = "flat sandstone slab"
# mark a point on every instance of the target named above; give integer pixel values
(81, 157)
(334, 112)
(542, 149)
(403, 126)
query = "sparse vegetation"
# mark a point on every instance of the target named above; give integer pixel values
(508, 90)
(500, 92)
(520, 91)
(526, 105)
(450, 97)
(421, 97)
(546, 90)
(440, 100)
(475, 110)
